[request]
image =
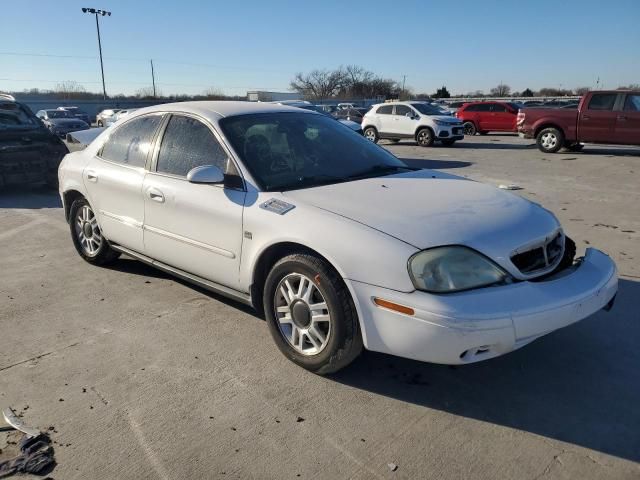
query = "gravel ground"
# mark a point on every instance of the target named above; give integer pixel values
(141, 376)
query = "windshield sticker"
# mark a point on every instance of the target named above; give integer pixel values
(277, 206)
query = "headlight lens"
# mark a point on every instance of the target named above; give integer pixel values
(451, 269)
(442, 123)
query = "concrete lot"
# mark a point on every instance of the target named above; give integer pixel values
(140, 376)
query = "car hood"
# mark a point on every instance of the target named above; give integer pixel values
(446, 118)
(428, 209)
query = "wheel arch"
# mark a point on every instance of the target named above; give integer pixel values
(68, 197)
(547, 124)
(422, 127)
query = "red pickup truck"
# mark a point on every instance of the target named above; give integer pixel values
(611, 117)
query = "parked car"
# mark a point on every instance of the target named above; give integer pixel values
(316, 108)
(328, 108)
(453, 107)
(343, 106)
(118, 115)
(29, 152)
(352, 114)
(341, 244)
(485, 117)
(611, 117)
(416, 120)
(61, 122)
(532, 103)
(105, 115)
(77, 113)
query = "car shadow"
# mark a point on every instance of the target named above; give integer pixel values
(29, 196)
(434, 164)
(578, 385)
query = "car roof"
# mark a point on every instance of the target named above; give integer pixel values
(219, 109)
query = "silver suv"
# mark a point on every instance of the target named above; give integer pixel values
(419, 121)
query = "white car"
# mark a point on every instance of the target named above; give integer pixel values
(335, 239)
(118, 116)
(419, 121)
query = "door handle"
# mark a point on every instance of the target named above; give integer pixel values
(155, 195)
(92, 176)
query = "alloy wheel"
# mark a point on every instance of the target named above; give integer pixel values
(549, 140)
(88, 231)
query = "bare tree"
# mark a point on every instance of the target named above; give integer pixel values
(632, 86)
(502, 90)
(213, 93)
(581, 90)
(319, 84)
(148, 93)
(70, 89)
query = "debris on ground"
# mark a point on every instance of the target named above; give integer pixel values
(392, 466)
(36, 453)
(511, 186)
(14, 421)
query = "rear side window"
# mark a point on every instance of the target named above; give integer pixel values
(188, 143)
(402, 110)
(632, 103)
(131, 142)
(385, 110)
(496, 107)
(14, 115)
(602, 101)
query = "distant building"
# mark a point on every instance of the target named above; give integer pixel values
(262, 96)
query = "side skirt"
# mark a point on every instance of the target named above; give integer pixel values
(188, 277)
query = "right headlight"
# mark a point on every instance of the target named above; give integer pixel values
(452, 269)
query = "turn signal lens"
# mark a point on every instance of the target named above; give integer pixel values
(393, 306)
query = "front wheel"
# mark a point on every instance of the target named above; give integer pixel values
(550, 140)
(371, 134)
(425, 137)
(310, 314)
(448, 143)
(87, 236)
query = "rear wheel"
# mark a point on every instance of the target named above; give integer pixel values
(448, 143)
(310, 314)
(469, 128)
(371, 134)
(550, 140)
(87, 236)
(424, 137)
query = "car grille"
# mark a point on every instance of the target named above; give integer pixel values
(541, 257)
(457, 131)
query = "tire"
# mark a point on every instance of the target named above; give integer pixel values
(576, 147)
(90, 244)
(425, 137)
(469, 129)
(291, 322)
(371, 134)
(550, 140)
(448, 143)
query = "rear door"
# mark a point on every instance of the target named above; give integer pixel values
(483, 116)
(113, 179)
(597, 120)
(627, 129)
(503, 119)
(193, 227)
(384, 119)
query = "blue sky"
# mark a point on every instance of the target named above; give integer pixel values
(235, 46)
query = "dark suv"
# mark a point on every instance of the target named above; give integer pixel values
(29, 152)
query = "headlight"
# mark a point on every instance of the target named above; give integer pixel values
(442, 123)
(451, 269)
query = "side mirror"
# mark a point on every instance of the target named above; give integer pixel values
(209, 174)
(410, 115)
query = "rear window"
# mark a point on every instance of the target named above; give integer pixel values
(131, 142)
(632, 103)
(14, 115)
(602, 101)
(385, 110)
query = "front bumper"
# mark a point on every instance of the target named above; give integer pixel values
(449, 132)
(471, 326)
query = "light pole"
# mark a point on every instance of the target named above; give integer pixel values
(96, 13)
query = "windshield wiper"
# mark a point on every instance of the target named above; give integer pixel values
(381, 170)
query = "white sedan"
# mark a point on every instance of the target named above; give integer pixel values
(338, 242)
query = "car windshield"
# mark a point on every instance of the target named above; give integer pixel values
(288, 151)
(426, 109)
(59, 114)
(13, 115)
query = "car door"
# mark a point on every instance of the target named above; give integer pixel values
(384, 119)
(627, 129)
(501, 118)
(483, 117)
(193, 227)
(596, 122)
(113, 179)
(404, 125)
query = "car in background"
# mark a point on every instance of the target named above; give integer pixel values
(415, 120)
(608, 116)
(331, 109)
(105, 115)
(318, 108)
(352, 114)
(84, 116)
(343, 106)
(532, 103)
(339, 243)
(119, 115)
(453, 107)
(484, 117)
(29, 152)
(61, 122)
